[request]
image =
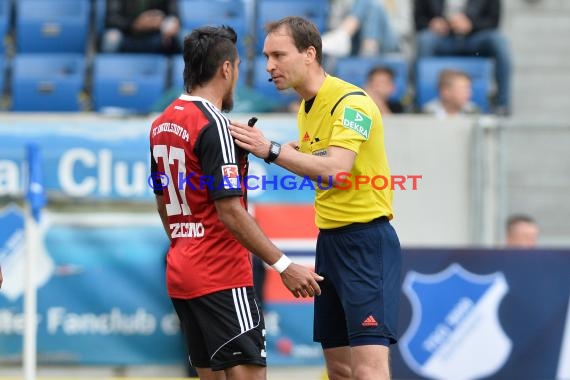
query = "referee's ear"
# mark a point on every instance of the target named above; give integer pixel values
(310, 55)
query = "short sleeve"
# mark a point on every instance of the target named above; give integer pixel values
(216, 152)
(153, 174)
(352, 124)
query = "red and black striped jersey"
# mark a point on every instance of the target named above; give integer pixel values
(194, 162)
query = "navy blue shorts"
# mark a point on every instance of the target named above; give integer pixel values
(360, 295)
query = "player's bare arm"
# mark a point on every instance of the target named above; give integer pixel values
(161, 207)
(298, 279)
(336, 161)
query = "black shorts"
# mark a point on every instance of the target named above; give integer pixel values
(223, 329)
(361, 264)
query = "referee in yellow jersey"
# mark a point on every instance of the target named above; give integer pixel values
(341, 146)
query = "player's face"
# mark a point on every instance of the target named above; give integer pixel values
(285, 64)
(228, 100)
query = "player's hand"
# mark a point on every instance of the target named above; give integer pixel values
(250, 139)
(300, 281)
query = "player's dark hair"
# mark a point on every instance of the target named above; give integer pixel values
(304, 33)
(205, 49)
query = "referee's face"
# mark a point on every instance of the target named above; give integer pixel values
(284, 61)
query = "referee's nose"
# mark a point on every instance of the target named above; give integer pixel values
(270, 65)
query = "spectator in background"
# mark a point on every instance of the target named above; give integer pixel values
(141, 26)
(1, 279)
(465, 27)
(365, 21)
(522, 232)
(380, 86)
(400, 15)
(454, 88)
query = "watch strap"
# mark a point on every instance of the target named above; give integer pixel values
(274, 151)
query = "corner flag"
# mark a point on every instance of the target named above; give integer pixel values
(35, 192)
(36, 201)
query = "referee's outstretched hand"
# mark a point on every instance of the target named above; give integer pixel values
(301, 281)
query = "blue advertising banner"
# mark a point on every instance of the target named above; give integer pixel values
(101, 293)
(106, 159)
(492, 314)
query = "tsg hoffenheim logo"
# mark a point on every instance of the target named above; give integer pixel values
(455, 332)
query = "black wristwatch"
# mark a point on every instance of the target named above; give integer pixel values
(274, 151)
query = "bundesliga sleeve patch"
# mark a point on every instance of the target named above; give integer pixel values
(357, 121)
(230, 176)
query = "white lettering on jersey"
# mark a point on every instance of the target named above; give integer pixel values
(182, 230)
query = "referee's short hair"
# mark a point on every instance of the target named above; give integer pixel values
(304, 33)
(205, 49)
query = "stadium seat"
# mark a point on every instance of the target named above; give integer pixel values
(271, 10)
(4, 22)
(132, 82)
(48, 82)
(52, 26)
(196, 13)
(262, 85)
(479, 69)
(177, 71)
(2, 73)
(100, 7)
(355, 70)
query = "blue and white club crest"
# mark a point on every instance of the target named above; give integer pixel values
(455, 331)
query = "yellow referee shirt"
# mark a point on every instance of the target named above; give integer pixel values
(352, 122)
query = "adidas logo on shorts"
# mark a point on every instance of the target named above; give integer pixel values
(370, 322)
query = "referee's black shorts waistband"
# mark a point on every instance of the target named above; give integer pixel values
(354, 226)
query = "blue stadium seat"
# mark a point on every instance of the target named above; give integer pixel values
(196, 13)
(479, 69)
(48, 82)
(272, 10)
(355, 70)
(263, 86)
(133, 82)
(177, 71)
(52, 26)
(4, 21)
(100, 7)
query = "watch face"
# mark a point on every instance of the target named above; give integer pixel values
(274, 151)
